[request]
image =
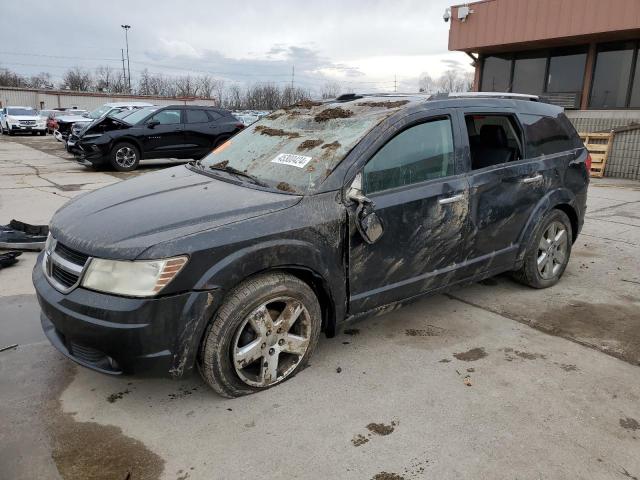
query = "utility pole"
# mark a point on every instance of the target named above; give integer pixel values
(124, 71)
(293, 76)
(126, 38)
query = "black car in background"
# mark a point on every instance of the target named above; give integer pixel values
(175, 131)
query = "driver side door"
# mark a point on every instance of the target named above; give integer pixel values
(415, 188)
(166, 138)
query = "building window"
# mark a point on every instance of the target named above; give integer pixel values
(496, 74)
(612, 75)
(566, 71)
(528, 73)
(635, 89)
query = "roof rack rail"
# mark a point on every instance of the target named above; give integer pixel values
(516, 96)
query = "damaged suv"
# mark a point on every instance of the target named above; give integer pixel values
(319, 214)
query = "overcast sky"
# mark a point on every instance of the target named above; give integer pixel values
(363, 44)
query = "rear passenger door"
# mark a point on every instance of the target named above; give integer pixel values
(506, 182)
(412, 178)
(200, 131)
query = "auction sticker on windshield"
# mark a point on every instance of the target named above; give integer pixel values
(294, 160)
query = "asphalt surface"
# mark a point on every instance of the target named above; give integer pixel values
(455, 386)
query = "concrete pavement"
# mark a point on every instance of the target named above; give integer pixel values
(454, 386)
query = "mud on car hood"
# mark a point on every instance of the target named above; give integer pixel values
(123, 220)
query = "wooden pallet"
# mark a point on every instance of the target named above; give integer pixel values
(599, 146)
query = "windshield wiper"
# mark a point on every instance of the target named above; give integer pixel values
(239, 173)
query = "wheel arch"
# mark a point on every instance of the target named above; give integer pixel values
(561, 199)
(133, 140)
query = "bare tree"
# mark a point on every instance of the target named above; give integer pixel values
(330, 90)
(426, 84)
(9, 78)
(77, 79)
(41, 80)
(186, 86)
(110, 81)
(233, 98)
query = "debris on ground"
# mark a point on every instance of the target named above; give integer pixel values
(9, 258)
(359, 440)
(467, 380)
(332, 113)
(381, 428)
(387, 476)
(18, 235)
(339, 370)
(9, 347)
(471, 355)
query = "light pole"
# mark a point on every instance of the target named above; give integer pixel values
(126, 39)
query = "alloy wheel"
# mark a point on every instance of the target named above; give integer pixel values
(126, 157)
(271, 342)
(552, 250)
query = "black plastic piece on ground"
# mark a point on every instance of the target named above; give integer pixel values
(9, 258)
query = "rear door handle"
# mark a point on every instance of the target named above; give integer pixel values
(535, 178)
(453, 199)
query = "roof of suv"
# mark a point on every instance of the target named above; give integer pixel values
(521, 102)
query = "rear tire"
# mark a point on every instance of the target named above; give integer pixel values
(548, 251)
(124, 157)
(249, 345)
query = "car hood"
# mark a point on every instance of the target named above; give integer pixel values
(73, 119)
(25, 117)
(103, 125)
(123, 220)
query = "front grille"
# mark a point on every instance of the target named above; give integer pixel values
(70, 254)
(27, 122)
(63, 277)
(63, 266)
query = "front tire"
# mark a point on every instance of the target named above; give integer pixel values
(263, 334)
(548, 252)
(124, 157)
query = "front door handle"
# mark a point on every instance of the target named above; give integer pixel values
(453, 199)
(535, 178)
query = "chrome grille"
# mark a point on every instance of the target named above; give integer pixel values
(63, 266)
(27, 122)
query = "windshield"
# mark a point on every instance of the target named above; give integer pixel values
(295, 149)
(21, 111)
(99, 112)
(140, 114)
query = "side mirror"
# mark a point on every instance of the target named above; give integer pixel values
(367, 222)
(153, 123)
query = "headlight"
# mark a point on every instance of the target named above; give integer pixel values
(143, 278)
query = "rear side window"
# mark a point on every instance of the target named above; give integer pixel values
(419, 153)
(213, 115)
(547, 135)
(494, 139)
(197, 116)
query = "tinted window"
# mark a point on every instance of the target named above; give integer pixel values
(197, 116)
(213, 115)
(528, 74)
(420, 153)
(546, 135)
(566, 72)
(611, 76)
(496, 74)
(493, 140)
(167, 117)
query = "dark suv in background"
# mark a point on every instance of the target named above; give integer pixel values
(314, 216)
(176, 131)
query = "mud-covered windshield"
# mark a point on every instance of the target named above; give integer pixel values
(295, 149)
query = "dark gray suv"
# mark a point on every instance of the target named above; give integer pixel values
(319, 214)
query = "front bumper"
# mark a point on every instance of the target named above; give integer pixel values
(27, 128)
(90, 154)
(116, 335)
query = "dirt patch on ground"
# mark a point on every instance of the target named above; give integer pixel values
(429, 331)
(629, 424)
(351, 331)
(331, 113)
(527, 355)
(396, 104)
(285, 187)
(88, 450)
(359, 440)
(381, 428)
(309, 144)
(614, 329)
(275, 132)
(471, 355)
(114, 397)
(387, 476)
